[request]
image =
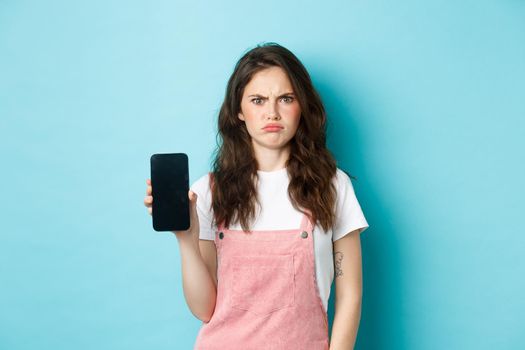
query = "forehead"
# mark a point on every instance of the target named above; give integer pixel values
(269, 80)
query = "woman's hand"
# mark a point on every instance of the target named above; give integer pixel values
(190, 234)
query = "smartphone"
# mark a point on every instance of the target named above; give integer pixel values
(170, 186)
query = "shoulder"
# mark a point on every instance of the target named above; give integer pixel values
(342, 181)
(348, 209)
(201, 185)
(204, 209)
(341, 175)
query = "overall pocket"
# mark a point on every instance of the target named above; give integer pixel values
(263, 284)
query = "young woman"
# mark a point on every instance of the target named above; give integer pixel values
(274, 221)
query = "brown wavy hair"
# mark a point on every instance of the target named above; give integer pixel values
(311, 167)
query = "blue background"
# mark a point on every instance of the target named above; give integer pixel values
(426, 101)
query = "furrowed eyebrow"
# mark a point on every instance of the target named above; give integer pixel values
(285, 94)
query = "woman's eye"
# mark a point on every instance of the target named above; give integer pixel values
(286, 99)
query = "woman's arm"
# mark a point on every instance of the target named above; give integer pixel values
(199, 265)
(198, 260)
(348, 289)
(198, 281)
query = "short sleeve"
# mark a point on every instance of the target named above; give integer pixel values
(202, 189)
(349, 215)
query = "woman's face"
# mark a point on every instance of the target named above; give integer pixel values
(269, 109)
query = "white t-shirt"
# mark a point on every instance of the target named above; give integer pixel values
(277, 213)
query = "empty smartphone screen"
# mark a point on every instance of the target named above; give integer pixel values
(170, 185)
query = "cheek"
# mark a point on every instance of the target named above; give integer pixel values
(295, 115)
(294, 110)
(251, 113)
(250, 121)
(296, 123)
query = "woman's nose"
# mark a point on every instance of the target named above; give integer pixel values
(272, 112)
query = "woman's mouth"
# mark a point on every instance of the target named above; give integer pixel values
(272, 127)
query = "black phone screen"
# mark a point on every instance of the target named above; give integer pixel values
(170, 186)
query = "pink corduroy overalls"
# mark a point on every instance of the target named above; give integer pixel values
(267, 296)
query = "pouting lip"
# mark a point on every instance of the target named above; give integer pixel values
(273, 125)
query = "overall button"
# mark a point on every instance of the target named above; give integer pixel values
(304, 234)
(221, 235)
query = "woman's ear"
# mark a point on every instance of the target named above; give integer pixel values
(240, 116)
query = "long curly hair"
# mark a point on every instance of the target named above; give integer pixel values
(311, 167)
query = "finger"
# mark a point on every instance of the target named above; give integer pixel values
(150, 211)
(192, 197)
(148, 200)
(193, 205)
(148, 181)
(148, 190)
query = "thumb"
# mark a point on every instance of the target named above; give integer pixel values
(193, 200)
(194, 218)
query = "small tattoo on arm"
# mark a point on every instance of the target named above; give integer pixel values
(338, 258)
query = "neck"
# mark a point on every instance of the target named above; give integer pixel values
(271, 159)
